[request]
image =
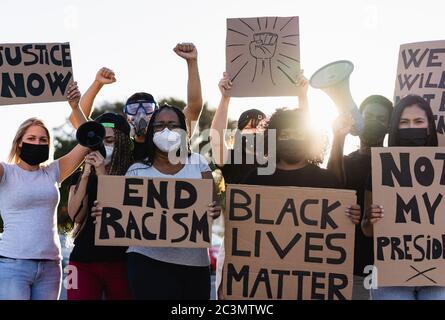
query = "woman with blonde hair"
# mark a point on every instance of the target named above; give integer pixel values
(30, 254)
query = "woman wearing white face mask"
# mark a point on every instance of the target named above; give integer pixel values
(169, 273)
(101, 270)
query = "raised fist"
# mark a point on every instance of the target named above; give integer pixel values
(264, 45)
(186, 50)
(105, 76)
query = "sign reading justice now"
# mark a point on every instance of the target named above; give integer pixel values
(32, 73)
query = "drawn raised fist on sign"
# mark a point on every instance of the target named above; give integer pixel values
(264, 45)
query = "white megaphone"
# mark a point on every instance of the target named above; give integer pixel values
(333, 79)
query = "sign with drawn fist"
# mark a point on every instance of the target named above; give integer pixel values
(263, 56)
(264, 45)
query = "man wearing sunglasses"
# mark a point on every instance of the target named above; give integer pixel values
(140, 106)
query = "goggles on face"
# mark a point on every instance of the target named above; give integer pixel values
(133, 108)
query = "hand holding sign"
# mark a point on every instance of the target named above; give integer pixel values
(353, 212)
(73, 95)
(215, 210)
(186, 50)
(105, 76)
(374, 213)
(96, 211)
(225, 84)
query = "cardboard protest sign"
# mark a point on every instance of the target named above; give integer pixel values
(288, 243)
(37, 72)
(263, 56)
(421, 71)
(409, 241)
(147, 212)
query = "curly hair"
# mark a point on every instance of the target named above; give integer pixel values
(284, 118)
(122, 157)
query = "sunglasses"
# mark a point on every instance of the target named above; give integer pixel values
(132, 109)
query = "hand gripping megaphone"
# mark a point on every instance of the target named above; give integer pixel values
(91, 135)
(333, 79)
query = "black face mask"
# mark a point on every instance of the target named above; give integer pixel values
(413, 137)
(373, 133)
(291, 150)
(34, 154)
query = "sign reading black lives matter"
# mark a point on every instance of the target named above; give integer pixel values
(32, 73)
(421, 71)
(288, 243)
(154, 212)
(409, 241)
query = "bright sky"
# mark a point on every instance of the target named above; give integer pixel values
(135, 38)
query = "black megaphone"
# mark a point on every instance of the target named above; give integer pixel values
(91, 135)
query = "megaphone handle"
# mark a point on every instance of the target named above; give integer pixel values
(359, 123)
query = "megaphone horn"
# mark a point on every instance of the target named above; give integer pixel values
(91, 135)
(333, 79)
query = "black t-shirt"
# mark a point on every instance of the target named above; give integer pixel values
(139, 153)
(357, 168)
(236, 173)
(84, 249)
(310, 176)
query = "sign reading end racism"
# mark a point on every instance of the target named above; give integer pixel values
(32, 73)
(154, 212)
(288, 243)
(409, 241)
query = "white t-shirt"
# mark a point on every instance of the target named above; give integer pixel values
(195, 165)
(28, 203)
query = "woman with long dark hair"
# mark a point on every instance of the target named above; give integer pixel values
(101, 270)
(412, 125)
(170, 273)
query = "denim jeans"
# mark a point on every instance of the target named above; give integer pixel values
(408, 293)
(22, 279)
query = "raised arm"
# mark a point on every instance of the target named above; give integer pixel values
(103, 76)
(341, 128)
(193, 108)
(302, 87)
(69, 162)
(219, 123)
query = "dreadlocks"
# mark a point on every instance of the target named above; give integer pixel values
(122, 157)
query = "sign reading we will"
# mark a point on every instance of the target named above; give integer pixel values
(421, 71)
(288, 243)
(32, 73)
(409, 241)
(147, 212)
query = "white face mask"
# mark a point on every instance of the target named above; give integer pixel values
(167, 140)
(109, 151)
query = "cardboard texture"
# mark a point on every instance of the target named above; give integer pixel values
(33, 73)
(421, 71)
(288, 243)
(409, 241)
(263, 56)
(147, 212)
